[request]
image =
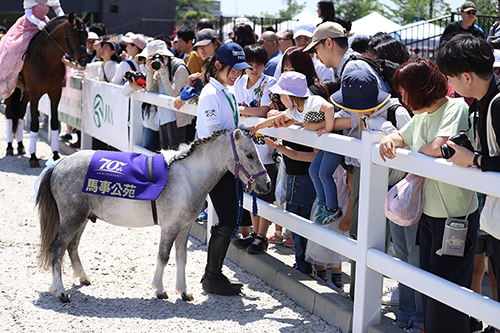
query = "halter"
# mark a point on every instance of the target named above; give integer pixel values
(238, 166)
(238, 184)
(68, 45)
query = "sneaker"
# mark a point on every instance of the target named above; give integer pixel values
(390, 289)
(476, 326)
(333, 286)
(275, 239)
(321, 207)
(203, 216)
(410, 329)
(391, 299)
(259, 245)
(400, 324)
(243, 243)
(328, 217)
(66, 137)
(289, 242)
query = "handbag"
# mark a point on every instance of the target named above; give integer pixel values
(404, 201)
(491, 211)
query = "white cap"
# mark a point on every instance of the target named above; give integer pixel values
(303, 30)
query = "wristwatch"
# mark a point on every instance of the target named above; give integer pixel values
(474, 161)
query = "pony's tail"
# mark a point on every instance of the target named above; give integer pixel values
(49, 219)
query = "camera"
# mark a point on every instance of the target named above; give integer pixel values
(156, 61)
(139, 78)
(461, 140)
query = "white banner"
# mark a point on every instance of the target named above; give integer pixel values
(105, 116)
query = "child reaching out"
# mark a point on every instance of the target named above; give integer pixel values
(302, 106)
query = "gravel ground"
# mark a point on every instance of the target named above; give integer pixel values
(120, 263)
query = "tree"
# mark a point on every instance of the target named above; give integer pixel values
(196, 8)
(407, 10)
(293, 8)
(355, 9)
(486, 7)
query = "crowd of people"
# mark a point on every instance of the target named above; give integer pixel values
(312, 76)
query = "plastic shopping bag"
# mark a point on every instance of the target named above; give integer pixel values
(404, 201)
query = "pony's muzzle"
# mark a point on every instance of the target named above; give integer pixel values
(263, 187)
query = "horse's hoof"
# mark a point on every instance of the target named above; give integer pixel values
(162, 295)
(55, 156)
(20, 149)
(10, 151)
(85, 282)
(187, 296)
(34, 161)
(63, 298)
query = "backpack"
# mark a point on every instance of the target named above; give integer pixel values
(385, 68)
(391, 114)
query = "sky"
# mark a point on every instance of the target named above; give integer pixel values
(256, 7)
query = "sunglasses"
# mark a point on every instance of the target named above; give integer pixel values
(260, 42)
(281, 39)
(471, 12)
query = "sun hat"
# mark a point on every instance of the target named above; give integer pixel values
(92, 35)
(292, 83)
(136, 39)
(233, 55)
(303, 30)
(324, 31)
(155, 47)
(205, 36)
(359, 92)
(468, 6)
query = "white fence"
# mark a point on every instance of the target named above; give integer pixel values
(368, 250)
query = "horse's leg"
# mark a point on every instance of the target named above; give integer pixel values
(166, 241)
(20, 123)
(180, 263)
(70, 226)
(78, 271)
(34, 127)
(55, 97)
(10, 105)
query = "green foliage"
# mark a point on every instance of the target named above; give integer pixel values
(194, 16)
(293, 8)
(193, 9)
(356, 9)
(426, 9)
(485, 7)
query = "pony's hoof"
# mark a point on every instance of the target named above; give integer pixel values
(34, 163)
(162, 295)
(20, 149)
(85, 282)
(10, 151)
(187, 296)
(63, 298)
(55, 156)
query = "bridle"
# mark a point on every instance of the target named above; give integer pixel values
(68, 45)
(238, 166)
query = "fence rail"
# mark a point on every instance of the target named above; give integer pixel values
(368, 250)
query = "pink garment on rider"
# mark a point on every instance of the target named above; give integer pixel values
(12, 47)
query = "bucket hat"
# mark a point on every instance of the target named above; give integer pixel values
(156, 46)
(359, 92)
(292, 83)
(115, 46)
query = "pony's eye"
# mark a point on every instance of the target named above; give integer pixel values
(250, 156)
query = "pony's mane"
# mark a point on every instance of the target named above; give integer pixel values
(185, 150)
(53, 23)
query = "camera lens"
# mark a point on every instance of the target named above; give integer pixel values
(447, 151)
(156, 62)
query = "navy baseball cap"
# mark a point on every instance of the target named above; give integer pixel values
(233, 55)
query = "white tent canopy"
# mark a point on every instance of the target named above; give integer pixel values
(371, 24)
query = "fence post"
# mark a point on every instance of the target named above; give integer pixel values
(371, 234)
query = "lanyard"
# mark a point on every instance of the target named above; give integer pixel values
(234, 108)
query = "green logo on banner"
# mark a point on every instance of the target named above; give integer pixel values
(102, 112)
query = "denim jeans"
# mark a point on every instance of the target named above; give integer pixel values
(150, 139)
(321, 170)
(404, 240)
(300, 196)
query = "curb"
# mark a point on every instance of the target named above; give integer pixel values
(320, 300)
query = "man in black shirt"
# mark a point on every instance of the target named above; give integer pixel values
(468, 63)
(468, 12)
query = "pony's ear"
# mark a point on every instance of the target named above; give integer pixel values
(71, 19)
(86, 19)
(237, 134)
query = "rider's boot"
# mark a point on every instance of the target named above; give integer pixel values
(213, 280)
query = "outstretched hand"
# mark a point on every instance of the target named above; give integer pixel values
(271, 143)
(387, 148)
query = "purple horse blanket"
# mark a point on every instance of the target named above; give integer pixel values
(126, 175)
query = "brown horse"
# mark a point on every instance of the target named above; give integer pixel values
(43, 73)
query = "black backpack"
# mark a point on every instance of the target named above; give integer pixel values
(385, 68)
